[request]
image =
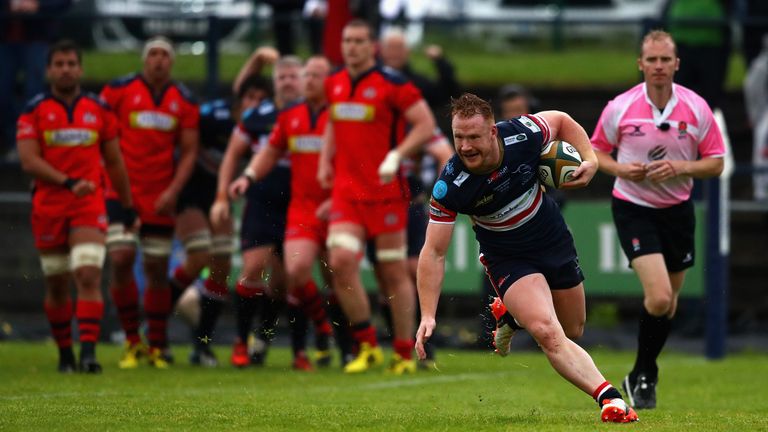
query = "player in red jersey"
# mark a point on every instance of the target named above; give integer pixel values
(62, 137)
(157, 117)
(361, 160)
(298, 132)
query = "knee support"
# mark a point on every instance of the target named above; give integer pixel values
(159, 247)
(54, 264)
(389, 255)
(345, 241)
(222, 245)
(87, 254)
(119, 238)
(197, 241)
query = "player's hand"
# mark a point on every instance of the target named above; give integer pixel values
(83, 187)
(323, 210)
(325, 174)
(633, 171)
(238, 187)
(582, 176)
(219, 211)
(267, 55)
(661, 170)
(433, 52)
(389, 166)
(166, 203)
(426, 327)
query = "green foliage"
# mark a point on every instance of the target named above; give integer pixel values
(470, 391)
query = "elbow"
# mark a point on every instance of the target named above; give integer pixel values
(27, 166)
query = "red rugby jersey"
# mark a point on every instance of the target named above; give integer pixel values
(150, 127)
(365, 113)
(70, 140)
(299, 131)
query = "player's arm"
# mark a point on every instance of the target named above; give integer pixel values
(189, 141)
(261, 57)
(422, 123)
(429, 279)
(258, 167)
(32, 163)
(325, 164)
(441, 151)
(563, 127)
(236, 148)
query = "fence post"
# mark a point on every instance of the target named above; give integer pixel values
(212, 58)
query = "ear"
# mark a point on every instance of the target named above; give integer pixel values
(640, 64)
(677, 63)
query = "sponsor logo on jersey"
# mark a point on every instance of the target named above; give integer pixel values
(636, 130)
(527, 122)
(463, 176)
(657, 153)
(88, 117)
(484, 200)
(305, 143)
(440, 189)
(70, 137)
(369, 93)
(682, 130)
(497, 174)
(152, 120)
(351, 111)
(449, 168)
(514, 139)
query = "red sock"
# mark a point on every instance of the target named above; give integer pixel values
(365, 332)
(126, 300)
(89, 315)
(403, 347)
(312, 304)
(215, 288)
(60, 318)
(181, 277)
(248, 289)
(157, 306)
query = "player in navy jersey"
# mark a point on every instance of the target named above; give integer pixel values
(525, 245)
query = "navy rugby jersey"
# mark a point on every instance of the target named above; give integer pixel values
(216, 125)
(511, 216)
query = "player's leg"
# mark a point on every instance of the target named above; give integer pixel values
(342, 332)
(50, 233)
(195, 235)
(300, 255)
(571, 310)
(156, 242)
(58, 303)
(529, 300)
(345, 243)
(251, 295)
(213, 293)
(391, 254)
(121, 250)
(87, 252)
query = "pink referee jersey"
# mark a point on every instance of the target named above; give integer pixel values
(631, 124)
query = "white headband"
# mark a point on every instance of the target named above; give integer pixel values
(162, 43)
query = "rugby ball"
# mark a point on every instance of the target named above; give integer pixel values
(558, 161)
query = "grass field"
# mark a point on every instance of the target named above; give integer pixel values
(471, 391)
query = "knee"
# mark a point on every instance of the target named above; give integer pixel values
(298, 273)
(547, 333)
(343, 262)
(196, 261)
(658, 305)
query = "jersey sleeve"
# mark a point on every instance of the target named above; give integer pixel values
(110, 95)
(534, 127)
(711, 142)
(190, 116)
(109, 127)
(278, 138)
(25, 126)
(606, 132)
(405, 95)
(441, 209)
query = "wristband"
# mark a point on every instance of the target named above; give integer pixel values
(70, 183)
(129, 216)
(250, 174)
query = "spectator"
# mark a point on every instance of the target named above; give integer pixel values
(754, 15)
(26, 28)
(414, 11)
(756, 97)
